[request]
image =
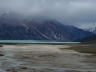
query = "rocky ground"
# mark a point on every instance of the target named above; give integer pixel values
(44, 58)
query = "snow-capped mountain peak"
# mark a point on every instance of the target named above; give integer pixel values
(91, 30)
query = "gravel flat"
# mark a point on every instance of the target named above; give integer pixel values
(43, 58)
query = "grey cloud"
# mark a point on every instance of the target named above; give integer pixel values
(78, 13)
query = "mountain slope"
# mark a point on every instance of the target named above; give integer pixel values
(18, 27)
(91, 30)
(88, 39)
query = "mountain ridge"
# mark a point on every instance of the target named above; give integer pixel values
(19, 27)
(88, 40)
(93, 30)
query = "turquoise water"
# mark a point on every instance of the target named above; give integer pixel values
(37, 42)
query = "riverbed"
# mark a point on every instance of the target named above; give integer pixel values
(43, 58)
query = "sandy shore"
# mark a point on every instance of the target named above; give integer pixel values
(43, 58)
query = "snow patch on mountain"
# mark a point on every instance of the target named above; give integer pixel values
(91, 30)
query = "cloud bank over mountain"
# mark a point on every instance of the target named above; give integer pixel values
(79, 13)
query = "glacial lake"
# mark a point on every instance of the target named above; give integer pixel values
(37, 42)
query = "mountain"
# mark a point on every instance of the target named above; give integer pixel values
(89, 39)
(15, 26)
(91, 30)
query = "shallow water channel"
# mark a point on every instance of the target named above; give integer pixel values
(47, 58)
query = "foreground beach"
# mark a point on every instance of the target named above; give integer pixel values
(44, 58)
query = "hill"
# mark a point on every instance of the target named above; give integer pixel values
(89, 39)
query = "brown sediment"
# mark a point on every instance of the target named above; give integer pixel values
(44, 58)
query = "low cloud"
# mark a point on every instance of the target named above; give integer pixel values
(79, 13)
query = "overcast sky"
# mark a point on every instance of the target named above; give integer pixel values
(79, 13)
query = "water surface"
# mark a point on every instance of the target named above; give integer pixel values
(37, 42)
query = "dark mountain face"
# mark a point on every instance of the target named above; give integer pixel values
(18, 27)
(89, 39)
